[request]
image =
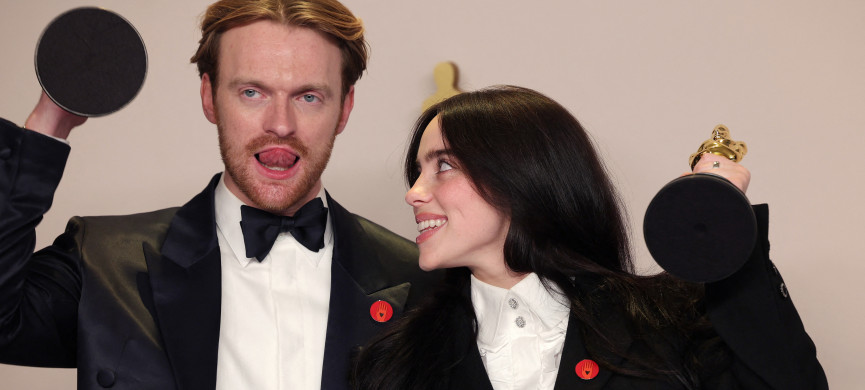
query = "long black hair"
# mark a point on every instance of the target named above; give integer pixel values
(531, 159)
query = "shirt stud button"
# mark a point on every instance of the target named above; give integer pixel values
(513, 303)
(520, 321)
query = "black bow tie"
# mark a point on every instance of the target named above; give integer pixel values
(260, 228)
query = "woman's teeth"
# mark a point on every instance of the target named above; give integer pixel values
(430, 224)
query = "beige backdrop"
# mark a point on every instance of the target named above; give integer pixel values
(648, 81)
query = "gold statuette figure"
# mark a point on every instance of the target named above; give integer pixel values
(722, 145)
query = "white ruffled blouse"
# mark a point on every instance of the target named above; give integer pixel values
(521, 333)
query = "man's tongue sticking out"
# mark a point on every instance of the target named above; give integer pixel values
(277, 159)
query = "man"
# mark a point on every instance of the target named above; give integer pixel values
(191, 297)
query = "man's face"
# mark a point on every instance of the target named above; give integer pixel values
(278, 108)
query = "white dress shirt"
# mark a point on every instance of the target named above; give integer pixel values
(521, 333)
(274, 312)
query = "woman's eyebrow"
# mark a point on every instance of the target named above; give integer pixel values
(435, 154)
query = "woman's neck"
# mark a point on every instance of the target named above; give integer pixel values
(502, 277)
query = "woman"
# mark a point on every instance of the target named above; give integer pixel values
(511, 198)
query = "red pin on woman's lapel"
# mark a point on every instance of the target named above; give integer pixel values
(381, 311)
(587, 369)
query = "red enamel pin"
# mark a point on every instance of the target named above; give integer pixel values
(381, 311)
(587, 369)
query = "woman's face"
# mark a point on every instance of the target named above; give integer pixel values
(457, 227)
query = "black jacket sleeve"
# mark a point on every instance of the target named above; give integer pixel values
(39, 292)
(754, 315)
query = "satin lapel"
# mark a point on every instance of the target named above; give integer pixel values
(357, 281)
(574, 351)
(470, 372)
(186, 282)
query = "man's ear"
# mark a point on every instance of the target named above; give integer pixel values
(347, 105)
(207, 98)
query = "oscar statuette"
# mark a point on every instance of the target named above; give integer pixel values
(700, 227)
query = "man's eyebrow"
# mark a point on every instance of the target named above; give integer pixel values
(234, 83)
(320, 87)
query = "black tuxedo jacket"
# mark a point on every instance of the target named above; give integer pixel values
(751, 311)
(134, 301)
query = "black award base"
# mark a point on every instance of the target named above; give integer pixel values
(700, 228)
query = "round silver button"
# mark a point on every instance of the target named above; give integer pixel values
(520, 322)
(513, 303)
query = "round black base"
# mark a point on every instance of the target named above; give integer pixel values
(91, 61)
(700, 228)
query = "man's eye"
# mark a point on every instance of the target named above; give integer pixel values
(444, 166)
(309, 98)
(250, 93)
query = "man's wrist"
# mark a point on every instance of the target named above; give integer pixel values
(48, 124)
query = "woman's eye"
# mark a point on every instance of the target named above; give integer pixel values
(309, 98)
(250, 93)
(444, 166)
